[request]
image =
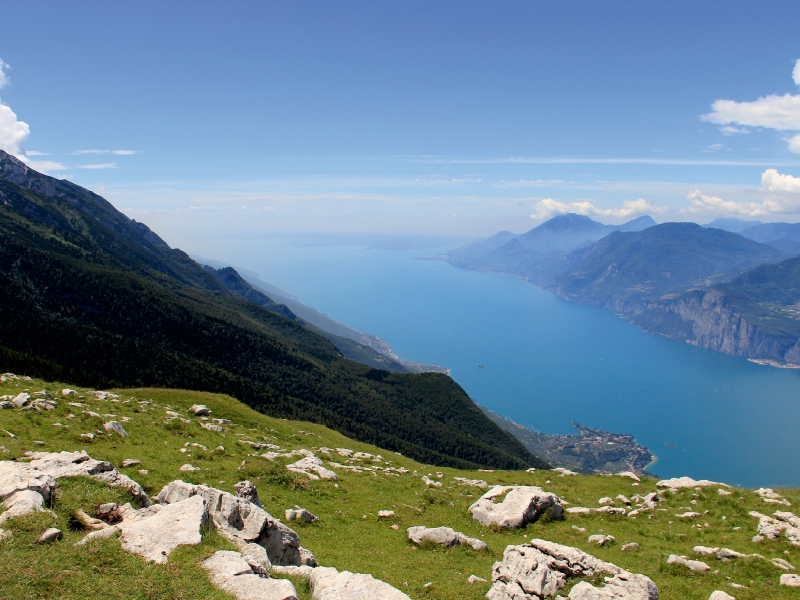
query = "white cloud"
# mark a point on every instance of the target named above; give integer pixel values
(781, 113)
(548, 207)
(773, 181)
(3, 76)
(117, 152)
(12, 131)
(36, 153)
(100, 166)
(45, 166)
(732, 130)
(714, 148)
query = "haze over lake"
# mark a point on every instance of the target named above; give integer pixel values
(548, 362)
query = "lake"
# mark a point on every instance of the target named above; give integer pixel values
(548, 362)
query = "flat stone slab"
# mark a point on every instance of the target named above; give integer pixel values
(444, 536)
(329, 584)
(156, 536)
(230, 572)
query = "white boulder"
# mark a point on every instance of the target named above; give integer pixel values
(519, 505)
(231, 572)
(156, 536)
(329, 584)
(311, 467)
(444, 536)
(540, 569)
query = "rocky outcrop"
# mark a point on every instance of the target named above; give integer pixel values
(243, 522)
(540, 569)
(329, 584)
(519, 505)
(311, 467)
(444, 536)
(73, 464)
(232, 573)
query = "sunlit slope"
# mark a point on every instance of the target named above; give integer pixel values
(349, 534)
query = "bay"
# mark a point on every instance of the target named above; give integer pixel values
(547, 362)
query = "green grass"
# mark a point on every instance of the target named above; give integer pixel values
(349, 535)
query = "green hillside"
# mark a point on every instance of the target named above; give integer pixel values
(92, 298)
(349, 534)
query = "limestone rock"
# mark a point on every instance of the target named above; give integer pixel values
(579, 510)
(188, 468)
(116, 427)
(624, 586)
(311, 466)
(720, 595)
(677, 483)
(480, 483)
(247, 491)
(100, 534)
(178, 524)
(329, 584)
(600, 539)
(476, 579)
(199, 410)
(386, 514)
(130, 462)
(5, 404)
(629, 546)
(521, 505)
(230, 572)
(18, 504)
(50, 535)
(790, 579)
(704, 551)
(213, 427)
(243, 522)
(256, 557)
(16, 477)
(300, 514)
(782, 564)
(444, 536)
(21, 399)
(694, 565)
(540, 569)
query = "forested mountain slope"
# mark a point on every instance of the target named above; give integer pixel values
(91, 297)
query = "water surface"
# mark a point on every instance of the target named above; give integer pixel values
(548, 362)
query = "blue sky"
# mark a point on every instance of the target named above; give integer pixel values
(456, 118)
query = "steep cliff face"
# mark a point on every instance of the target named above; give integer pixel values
(707, 318)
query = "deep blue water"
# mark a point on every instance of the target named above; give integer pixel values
(549, 362)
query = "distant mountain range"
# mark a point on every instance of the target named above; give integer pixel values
(732, 292)
(91, 297)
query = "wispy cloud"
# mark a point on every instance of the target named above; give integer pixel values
(713, 148)
(546, 208)
(3, 76)
(781, 113)
(100, 152)
(46, 166)
(603, 161)
(36, 153)
(98, 166)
